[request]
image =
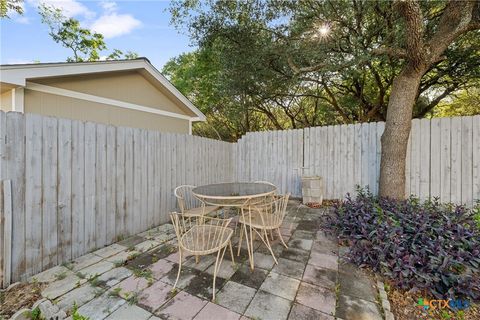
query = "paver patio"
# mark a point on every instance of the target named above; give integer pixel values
(133, 279)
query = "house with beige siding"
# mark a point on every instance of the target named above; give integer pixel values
(131, 93)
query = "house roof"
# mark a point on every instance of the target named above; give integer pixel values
(12, 75)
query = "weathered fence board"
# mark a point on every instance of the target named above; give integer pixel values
(78, 188)
(33, 192)
(7, 224)
(64, 228)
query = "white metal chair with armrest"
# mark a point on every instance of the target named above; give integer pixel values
(189, 205)
(260, 219)
(201, 236)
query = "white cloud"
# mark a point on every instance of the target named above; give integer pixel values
(113, 24)
(70, 8)
(109, 6)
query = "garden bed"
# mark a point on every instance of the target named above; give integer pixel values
(423, 250)
(19, 296)
(404, 307)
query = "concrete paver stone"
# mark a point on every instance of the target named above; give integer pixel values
(79, 296)
(176, 308)
(350, 308)
(328, 261)
(281, 285)
(317, 298)
(293, 269)
(60, 287)
(235, 296)
(301, 244)
(146, 245)
(101, 307)
(268, 307)
(129, 312)
(321, 277)
(129, 286)
(85, 261)
(155, 296)
(97, 269)
(300, 312)
(214, 311)
(161, 268)
(51, 274)
(110, 250)
(114, 276)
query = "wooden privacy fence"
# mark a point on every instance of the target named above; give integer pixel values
(77, 186)
(443, 158)
(69, 187)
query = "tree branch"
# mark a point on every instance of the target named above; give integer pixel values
(456, 19)
(298, 70)
(436, 101)
(391, 52)
(414, 31)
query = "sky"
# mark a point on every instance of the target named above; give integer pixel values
(139, 26)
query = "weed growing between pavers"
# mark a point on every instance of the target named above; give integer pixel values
(143, 273)
(131, 297)
(115, 292)
(93, 280)
(68, 265)
(118, 263)
(61, 275)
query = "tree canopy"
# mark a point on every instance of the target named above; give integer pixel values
(293, 64)
(7, 6)
(84, 44)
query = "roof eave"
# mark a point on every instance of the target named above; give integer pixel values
(19, 74)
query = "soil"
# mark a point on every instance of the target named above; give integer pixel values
(325, 204)
(404, 306)
(22, 295)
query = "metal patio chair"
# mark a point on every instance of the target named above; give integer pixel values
(201, 236)
(260, 219)
(189, 205)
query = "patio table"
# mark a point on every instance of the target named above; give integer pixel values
(241, 195)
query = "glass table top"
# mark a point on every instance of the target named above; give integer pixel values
(236, 190)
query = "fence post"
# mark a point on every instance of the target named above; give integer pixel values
(7, 232)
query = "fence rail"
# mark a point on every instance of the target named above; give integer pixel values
(70, 187)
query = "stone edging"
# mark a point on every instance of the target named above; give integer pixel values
(47, 309)
(384, 301)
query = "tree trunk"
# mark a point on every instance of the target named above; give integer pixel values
(397, 130)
